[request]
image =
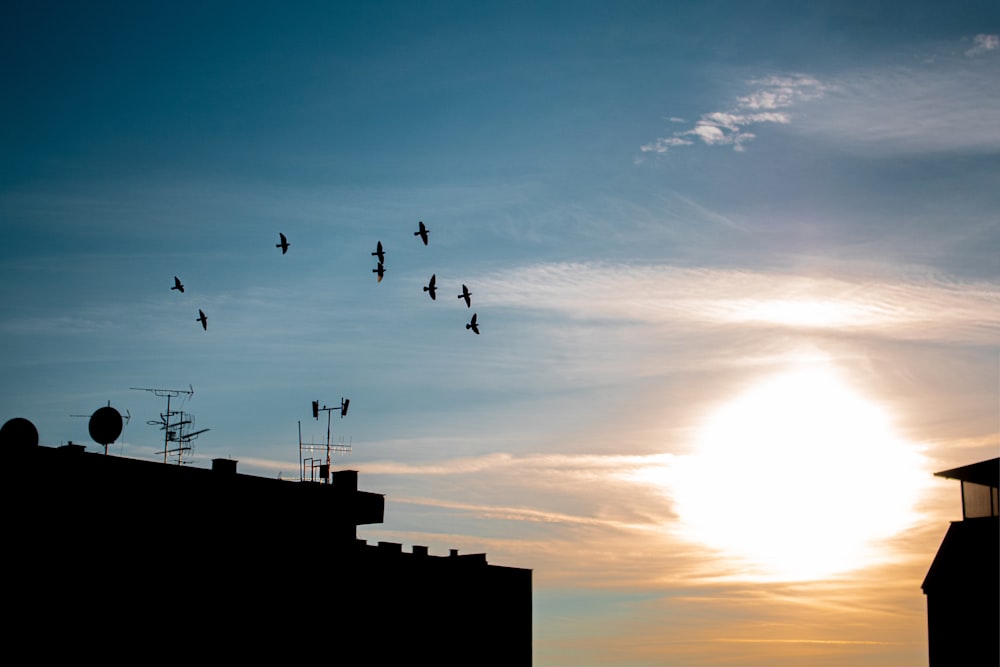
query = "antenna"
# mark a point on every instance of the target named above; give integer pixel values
(106, 424)
(173, 429)
(323, 467)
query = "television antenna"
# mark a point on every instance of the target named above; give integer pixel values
(324, 468)
(176, 432)
(174, 423)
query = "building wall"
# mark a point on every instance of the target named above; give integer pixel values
(963, 596)
(111, 558)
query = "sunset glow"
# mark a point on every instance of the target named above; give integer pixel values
(735, 270)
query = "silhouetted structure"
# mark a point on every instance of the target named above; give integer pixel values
(113, 557)
(963, 583)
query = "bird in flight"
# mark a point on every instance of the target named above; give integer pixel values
(380, 271)
(465, 295)
(283, 245)
(431, 287)
(473, 325)
(379, 253)
(422, 232)
(177, 285)
(204, 319)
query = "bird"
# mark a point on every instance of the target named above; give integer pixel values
(431, 287)
(283, 245)
(473, 325)
(204, 319)
(379, 253)
(380, 271)
(465, 295)
(422, 232)
(177, 285)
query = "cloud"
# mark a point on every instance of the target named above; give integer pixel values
(983, 44)
(950, 105)
(950, 102)
(728, 128)
(908, 308)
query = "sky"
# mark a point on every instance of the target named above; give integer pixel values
(736, 270)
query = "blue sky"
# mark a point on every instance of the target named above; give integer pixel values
(684, 228)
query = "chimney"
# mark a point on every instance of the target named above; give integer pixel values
(224, 466)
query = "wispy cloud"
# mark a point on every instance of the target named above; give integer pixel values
(982, 44)
(951, 105)
(918, 308)
(950, 102)
(731, 126)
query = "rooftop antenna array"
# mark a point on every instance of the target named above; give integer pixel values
(174, 423)
(324, 467)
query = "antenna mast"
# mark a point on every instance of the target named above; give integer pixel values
(173, 429)
(324, 468)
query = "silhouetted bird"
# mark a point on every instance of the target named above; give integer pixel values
(431, 287)
(422, 232)
(177, 285)
(204, 319)
(379, 253)
(465, 295)
(283, 245)
(380, 271)
(473, 325)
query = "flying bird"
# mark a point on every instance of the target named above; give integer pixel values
(283, 245)
(177, 285)
(465, 295)
(380, 271)
(422, 232)
(379, 253)
(473, 325)
(431, 287)
(204, 319)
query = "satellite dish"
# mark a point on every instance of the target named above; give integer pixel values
(105, 425)
(20, 433)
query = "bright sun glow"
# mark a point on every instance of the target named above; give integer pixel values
(800, 477)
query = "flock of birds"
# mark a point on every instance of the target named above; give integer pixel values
(430, 288)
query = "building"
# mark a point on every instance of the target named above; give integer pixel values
(963, 583)
(121, 558)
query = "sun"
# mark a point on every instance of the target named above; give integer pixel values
(799, 477)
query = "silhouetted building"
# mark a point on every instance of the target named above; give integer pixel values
(110, 558)
(963, 583)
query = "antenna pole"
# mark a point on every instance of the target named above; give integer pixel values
(165, 421)
(344, 402)
(327, 480)
(166, 432)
